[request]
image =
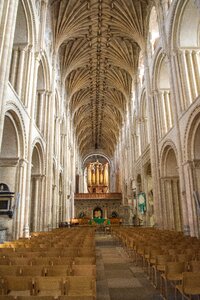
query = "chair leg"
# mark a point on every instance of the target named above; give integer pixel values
(166, 289)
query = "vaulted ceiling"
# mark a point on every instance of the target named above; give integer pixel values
(99, 42)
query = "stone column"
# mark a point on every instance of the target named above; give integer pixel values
(60, 208)
(179, 144)
(192, 172)
(54, 208)
(185, 74)
(43, 22)
(41, 206)
(46, 113)
(27, 79)
(7, 30)
(153, 121)
(49, 162)
(2, 4)
(21, 197)
(20, 71)
(36, 200)
(196, 65)
(34, 71)
(192, 77)
(180, 90)
(40, 110)
(13, 69)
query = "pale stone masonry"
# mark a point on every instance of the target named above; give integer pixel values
(117, 80)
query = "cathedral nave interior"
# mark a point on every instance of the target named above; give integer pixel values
(99, 149)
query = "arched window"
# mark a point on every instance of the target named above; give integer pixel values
(164, 109)
(21, 52)
(153, 31)
(39, 103)
(141, 69)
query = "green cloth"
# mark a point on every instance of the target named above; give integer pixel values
(100, 221)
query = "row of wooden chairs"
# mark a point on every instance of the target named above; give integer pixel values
(48, 286)
(56, 270)
(168, 257)
(23, 261)
(35, 297)
(56, 265)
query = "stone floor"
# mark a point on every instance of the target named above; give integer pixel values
(117, 277)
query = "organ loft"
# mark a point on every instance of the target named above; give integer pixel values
(97, 177)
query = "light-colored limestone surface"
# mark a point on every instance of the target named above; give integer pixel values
(117, 80)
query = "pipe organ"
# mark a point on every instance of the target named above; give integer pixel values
(97, 177)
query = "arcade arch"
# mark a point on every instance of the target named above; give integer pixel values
(37, 187)
(192, 145)
(172, 213)
(12, 167)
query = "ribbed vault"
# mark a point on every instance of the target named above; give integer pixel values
(98, 43)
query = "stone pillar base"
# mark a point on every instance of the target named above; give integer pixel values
(26, 231)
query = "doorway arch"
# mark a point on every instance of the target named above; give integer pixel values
(97, 212)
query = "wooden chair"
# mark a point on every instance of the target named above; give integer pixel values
(49, 286)
(61, 260)
(84, 270)
(33, 271)
(76, 298)
(80, 286)
(17, 285)
(4, 261)
(9, 270)
(194, 266)
(86, 252)
(151, 260)
(84, 260)
(31, 255)
(58, 270)
(20, 261)
(7, 297)
(35, 298)
(173, 274)
(190, 285)
(159, 267)
(41, 261)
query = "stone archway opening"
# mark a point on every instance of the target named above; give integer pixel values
(98, 212)
(171, 191)
(36, 190)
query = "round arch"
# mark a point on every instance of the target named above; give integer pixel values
(192, 157)
(171, 200)
(183, 31)
(17, 128)
(37, 185)
(184, 42)
(96, 154)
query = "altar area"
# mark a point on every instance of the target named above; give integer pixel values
(93, 222)
(97, 205)
(97, 208)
